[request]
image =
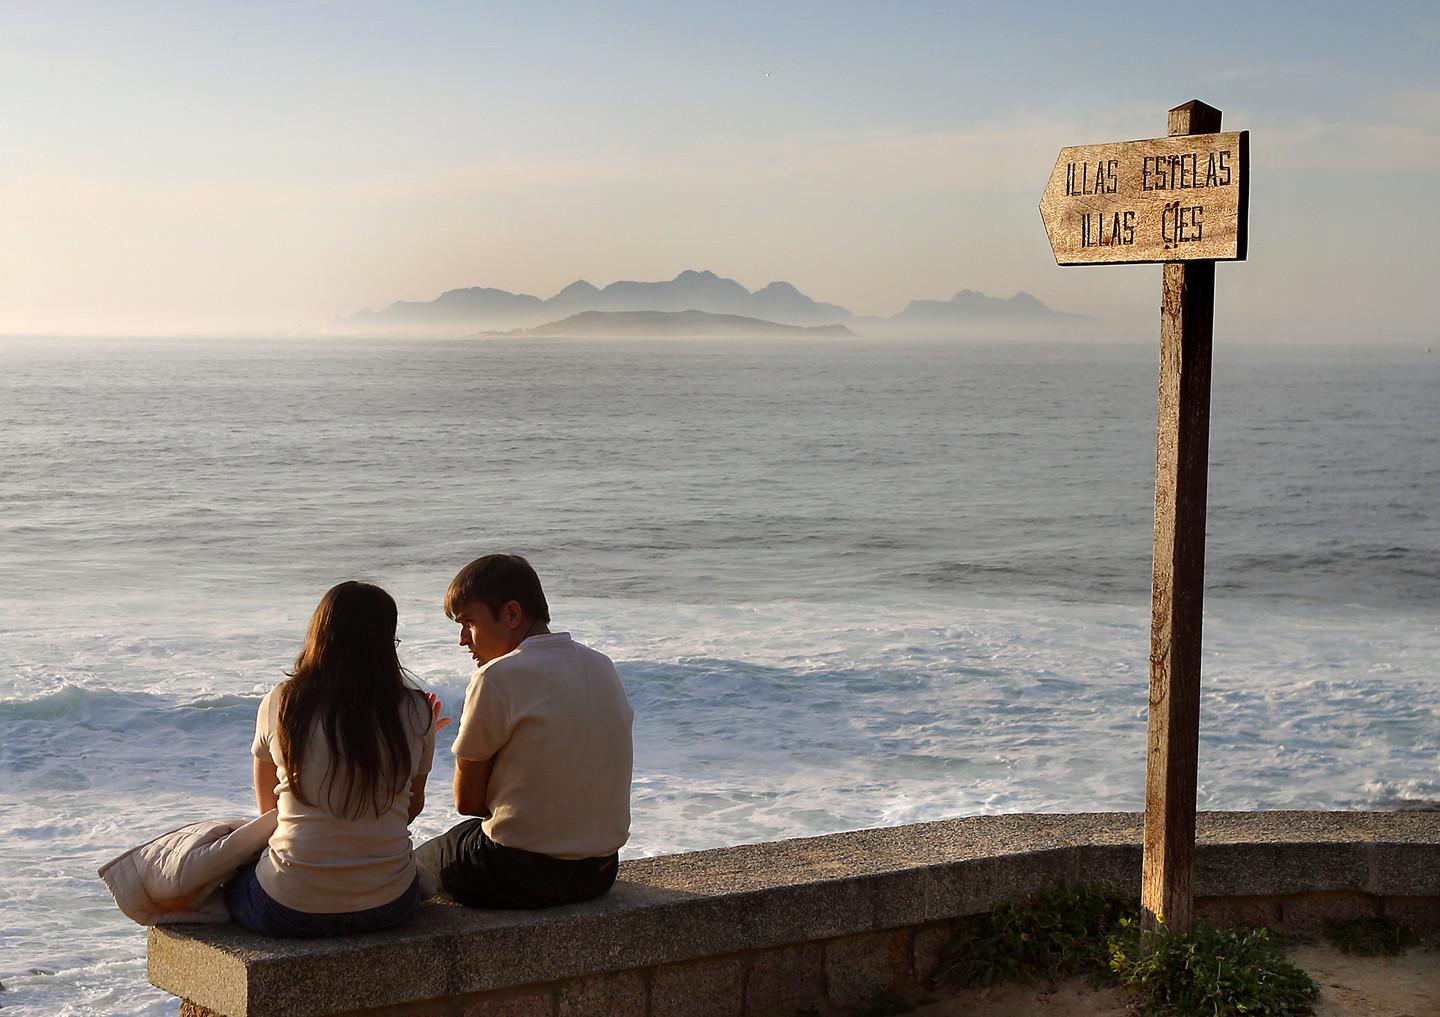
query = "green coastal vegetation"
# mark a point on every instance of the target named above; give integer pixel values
(1068, 930)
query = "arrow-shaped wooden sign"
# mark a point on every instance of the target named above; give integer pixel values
(1165, 199)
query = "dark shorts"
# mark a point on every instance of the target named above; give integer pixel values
(254, 909)
(480, 873)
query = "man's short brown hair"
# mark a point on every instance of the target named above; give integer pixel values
(494, 581)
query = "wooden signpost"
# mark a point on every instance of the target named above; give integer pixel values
(1183, 201)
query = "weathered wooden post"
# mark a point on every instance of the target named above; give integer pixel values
(1183, 201)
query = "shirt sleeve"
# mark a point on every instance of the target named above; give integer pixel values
(485, 722)
(260, 747)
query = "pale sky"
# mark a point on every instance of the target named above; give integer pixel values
(270, 167)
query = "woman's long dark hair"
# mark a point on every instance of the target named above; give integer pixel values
(348, 682)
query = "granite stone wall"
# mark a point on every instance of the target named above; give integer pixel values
(821, 925)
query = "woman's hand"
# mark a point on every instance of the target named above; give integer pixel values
(436, 709)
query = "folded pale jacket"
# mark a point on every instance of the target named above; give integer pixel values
(176, 876)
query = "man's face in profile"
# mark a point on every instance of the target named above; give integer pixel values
(484, 633)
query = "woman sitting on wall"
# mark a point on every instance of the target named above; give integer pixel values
(342, 748)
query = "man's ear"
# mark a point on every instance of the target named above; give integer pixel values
(512, 613)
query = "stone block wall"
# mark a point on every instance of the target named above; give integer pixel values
(823, 926)
(846, 975)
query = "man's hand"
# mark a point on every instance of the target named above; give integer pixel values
(472, 785)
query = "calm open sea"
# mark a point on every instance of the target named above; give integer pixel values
(847, 583)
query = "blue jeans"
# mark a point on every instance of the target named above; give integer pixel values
(253, 909)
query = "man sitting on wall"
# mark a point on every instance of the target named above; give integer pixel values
(542, 757)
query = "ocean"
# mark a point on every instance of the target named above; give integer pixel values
(847, 583)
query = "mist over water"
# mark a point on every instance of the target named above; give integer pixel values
(846, 583)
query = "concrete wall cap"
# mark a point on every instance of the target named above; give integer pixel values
(678, 908)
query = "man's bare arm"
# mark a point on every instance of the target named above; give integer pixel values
(472, 786)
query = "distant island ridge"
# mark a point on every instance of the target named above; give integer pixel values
(676, 324)
(777, 306)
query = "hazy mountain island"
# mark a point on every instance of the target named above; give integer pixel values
(969, 307)
(677, 324)
(485, 308)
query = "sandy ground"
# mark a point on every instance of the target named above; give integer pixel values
(1404, 986)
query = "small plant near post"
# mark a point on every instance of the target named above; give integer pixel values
(1067, 929)
(1208, 971)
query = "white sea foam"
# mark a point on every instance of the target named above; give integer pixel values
(751, 727)
(824, 622)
